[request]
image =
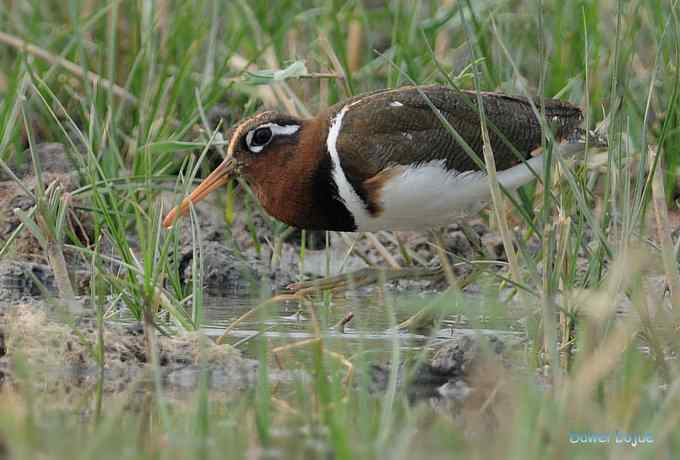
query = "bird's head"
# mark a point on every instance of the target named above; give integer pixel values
(267, 138)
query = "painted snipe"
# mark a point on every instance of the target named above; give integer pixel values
(386, 160)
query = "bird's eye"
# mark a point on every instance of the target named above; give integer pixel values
(258, 138)
(261, 137)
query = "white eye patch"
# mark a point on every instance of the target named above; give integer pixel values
(256, 145)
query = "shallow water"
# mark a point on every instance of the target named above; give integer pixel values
(370, 331)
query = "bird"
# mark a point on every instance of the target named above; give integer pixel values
(390, 159)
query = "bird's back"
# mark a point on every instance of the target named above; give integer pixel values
(397, 165)
(401, 127)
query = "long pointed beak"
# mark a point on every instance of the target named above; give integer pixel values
(216, 179)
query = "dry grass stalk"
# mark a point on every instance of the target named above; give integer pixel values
(663, 231)
(295, 345)
(162, 12)
(382, 250)
(318, 340)
(603, 360)
(355, 44)
(86, 11)
(249, 313)
(339, 70)
(340, 325)
(292, 39)
(444, 259)
(442, 42)
(95, 79)
(497, 205)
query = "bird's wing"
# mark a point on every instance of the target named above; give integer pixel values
(398, 127)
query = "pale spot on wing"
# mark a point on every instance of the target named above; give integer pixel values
(396, 104)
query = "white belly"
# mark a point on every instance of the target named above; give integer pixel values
(429, 196)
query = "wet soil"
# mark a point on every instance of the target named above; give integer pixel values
(63, 358)
(451, 372)
(56, 168)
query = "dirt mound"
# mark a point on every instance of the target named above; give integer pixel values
(64, 358)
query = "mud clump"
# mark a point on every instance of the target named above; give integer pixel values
(51, 155)
(20, 280)
(62, 359)
(222, 270)
(23, 272)
(467, 380)
(461, 372)
(55, 167)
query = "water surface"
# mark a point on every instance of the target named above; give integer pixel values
(370, 331)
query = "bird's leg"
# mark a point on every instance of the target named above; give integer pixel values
(443, 256)
(427, 318)
(371, 275)
(474, 240)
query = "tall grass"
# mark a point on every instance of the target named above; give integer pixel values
(125, 85)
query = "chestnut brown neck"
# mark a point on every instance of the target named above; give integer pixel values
(295, 183)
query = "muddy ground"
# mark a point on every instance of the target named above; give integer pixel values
(53, 357)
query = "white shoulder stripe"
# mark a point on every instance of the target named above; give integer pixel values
(348, 195)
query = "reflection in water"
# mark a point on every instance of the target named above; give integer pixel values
(371, 329)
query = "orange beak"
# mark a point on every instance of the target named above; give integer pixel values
(215, 180)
